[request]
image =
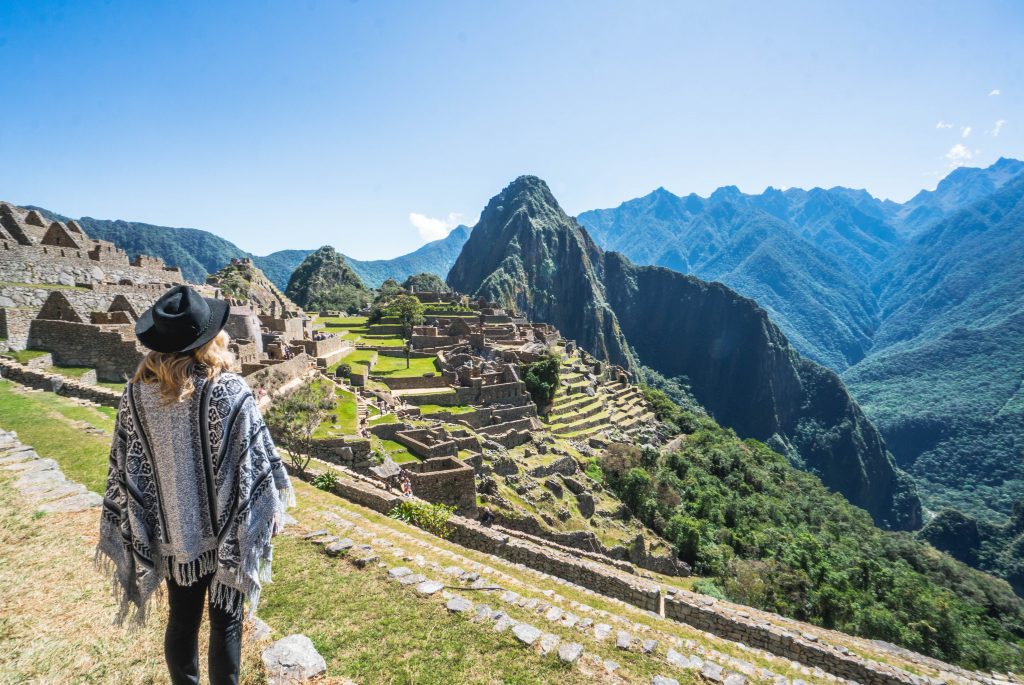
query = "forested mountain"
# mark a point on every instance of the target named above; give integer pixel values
(527, 253)
(925, 320)
(324, 280)
(200, 253)
(944, 380)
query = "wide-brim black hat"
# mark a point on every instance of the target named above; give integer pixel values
(181, 320)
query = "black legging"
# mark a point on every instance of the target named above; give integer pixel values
(181, 641)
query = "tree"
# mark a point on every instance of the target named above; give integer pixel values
(293, 418)
(409, 312)
(541, 380)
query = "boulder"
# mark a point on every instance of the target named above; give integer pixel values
(292, 659)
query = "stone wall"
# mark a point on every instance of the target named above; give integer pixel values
(62, 385)
(417, 382)
(111, 350)
(284, 371)
(471, 534)
(427, 443)
(68, 266)
(444, 480)
(704, 613)
(14, 324)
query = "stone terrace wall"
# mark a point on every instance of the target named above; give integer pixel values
(609, 582)
(445, 480)
(417, 382)
(467, 533)
(68, 266)
(14, 324)
(79, 344)
(703, 614)
(52, 382)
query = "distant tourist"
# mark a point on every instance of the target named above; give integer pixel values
(406, 484)
(169, 513)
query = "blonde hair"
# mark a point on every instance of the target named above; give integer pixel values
(173, 371)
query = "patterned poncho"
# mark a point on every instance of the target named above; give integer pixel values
(194, 487)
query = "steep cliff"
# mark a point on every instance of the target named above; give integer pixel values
(526, 252)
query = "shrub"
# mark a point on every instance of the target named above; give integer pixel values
(541, 380)
(433, 518)
(325, 481)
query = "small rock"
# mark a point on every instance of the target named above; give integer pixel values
(735, 679)
(292, 659)
(548, 643)
(663, 680)
(335, 548)
(553, 614)
(676, 659)
(601, 631)
(363, 562)
(526, 633)
(428, 588)
(713, 672)
(399, 572)
(315, 534)
(649, 646)
(458, 605)
(504, 623)
(483, 612)
(569, 652)
(412, 579)
(610, 666)
(260, 630)
(623, 639)
(509, 596)
(80, 502)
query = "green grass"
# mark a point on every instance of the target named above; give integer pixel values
(70, 371)
(345, 417)
(24, 356)
(383, 419)
(399, 453)
(352, 358)
(44, 420)
(374, 631)
(437, 409)
(395, 366)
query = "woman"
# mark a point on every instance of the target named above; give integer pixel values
(195, 489)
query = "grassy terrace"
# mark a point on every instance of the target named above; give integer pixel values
(398, 452)
(352, 358)
(437, 409)
(344, 420)
(23, 356)
(358, 331)
(396, 367)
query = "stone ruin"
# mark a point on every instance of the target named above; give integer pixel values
(78, 299)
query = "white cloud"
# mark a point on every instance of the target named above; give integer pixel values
(998, 127)
(958, 155)
(965, 131)
(943, 124)
(430, 228)
(994, 91)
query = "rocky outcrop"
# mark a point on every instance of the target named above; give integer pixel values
(528, 254)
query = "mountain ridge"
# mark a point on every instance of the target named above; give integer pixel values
(526, 253)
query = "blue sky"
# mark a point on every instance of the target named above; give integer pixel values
(373, 126)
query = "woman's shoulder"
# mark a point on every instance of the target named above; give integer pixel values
(228, 384)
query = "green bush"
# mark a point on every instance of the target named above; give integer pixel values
(325, 481)
(541, 380)
(433, 518)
